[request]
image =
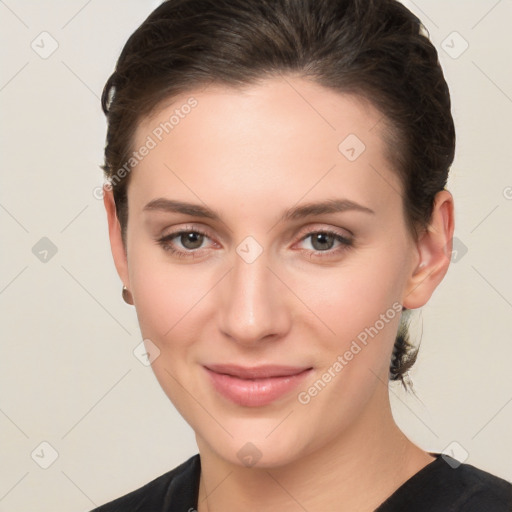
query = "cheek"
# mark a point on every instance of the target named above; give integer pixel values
(353, 362)
(166, 293)
(357, 312)
(352, 297)
(168, 302)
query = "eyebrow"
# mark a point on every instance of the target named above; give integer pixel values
(297, 212)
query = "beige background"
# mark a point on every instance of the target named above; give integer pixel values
(68, 375)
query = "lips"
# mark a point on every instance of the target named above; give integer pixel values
(255, 386)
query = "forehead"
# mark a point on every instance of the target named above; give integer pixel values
(271, 104)
(283, 134)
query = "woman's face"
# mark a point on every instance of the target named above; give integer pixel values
(258, 279)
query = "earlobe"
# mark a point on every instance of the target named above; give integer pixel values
(115, 235)
(434, 249)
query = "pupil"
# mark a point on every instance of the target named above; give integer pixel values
(195, 239)
(321, 237)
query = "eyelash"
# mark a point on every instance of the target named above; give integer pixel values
(164, 242)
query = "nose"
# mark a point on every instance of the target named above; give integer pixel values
(253, 303)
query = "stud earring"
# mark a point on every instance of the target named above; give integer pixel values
(127, 296)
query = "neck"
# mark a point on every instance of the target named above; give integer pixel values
(357, 470)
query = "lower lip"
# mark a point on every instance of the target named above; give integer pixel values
(257, 392)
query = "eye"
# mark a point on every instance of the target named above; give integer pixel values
(188, 243)
(323, 241)
(191, 241)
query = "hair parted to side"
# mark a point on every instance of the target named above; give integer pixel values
(376, 49)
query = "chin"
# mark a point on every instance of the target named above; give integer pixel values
(253, 446)
(260, 455)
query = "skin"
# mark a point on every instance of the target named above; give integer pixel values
(231, 153)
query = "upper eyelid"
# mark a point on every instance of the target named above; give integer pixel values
(332, 231)
(306, 233)
(180, 231)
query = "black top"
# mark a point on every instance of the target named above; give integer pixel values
(443, 485)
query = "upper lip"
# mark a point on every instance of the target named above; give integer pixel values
(257, 372)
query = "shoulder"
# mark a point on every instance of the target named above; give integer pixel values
(481, 490)
(446, 485)
(181, 483)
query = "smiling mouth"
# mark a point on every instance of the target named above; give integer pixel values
(256, 386)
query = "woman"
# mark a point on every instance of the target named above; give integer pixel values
(276, 206)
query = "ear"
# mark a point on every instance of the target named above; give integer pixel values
(114, 232)
(434, 249)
